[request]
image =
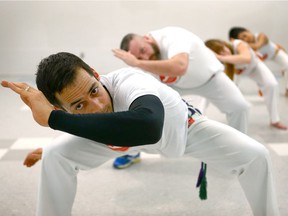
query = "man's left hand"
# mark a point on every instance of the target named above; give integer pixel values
(127, 57)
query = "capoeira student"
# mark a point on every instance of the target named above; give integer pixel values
(269, 50)
(129, 111)
(246, 63)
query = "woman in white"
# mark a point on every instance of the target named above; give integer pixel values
(246, 63)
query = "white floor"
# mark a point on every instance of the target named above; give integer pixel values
(156, 186)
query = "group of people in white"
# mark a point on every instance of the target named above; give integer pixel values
(132, 110)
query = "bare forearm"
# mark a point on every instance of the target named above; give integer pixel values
(258, 45)
(235, 59)
(261, 41)
(163, 67)
(175, 66)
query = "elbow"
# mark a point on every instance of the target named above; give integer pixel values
(180, 64)
(246, 59)
(154, 132)
(153, 136)
(156, 136)
(182, 68)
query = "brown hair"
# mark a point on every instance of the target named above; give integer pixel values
(217, 46)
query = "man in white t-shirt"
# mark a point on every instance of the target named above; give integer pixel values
(123, 112)
(181, 60)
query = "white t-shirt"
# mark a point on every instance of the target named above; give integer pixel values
(268, 50)
(202, 61)
(246, 68)
(127, 84)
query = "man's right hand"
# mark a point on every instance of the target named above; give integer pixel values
(126, 57)
(35, 99)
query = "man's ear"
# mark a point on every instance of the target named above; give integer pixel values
(147, 38)
(96, 74)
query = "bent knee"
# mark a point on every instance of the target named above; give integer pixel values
(262, 154)
(264, 151)
(243, 107)
(50, 152)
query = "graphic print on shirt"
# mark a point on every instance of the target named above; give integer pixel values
(118, 148)
(167, 79)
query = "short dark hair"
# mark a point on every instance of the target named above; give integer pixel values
(124, 45)
(235, 31)
(56, 72)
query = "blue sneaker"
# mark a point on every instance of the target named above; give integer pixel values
(126, 161)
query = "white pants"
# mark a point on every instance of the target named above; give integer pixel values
(268, 84)
(234, 153)
(219, 145)
(281, 59)
(225, 95)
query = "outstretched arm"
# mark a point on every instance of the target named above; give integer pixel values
(142, 124)
(243, 56)
(175, 66)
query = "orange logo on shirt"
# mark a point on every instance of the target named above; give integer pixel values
(167, 79)
(117, 148)
(190, 121)
(239, 71)
(262, 57)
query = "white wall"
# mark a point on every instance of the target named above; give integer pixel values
(30, 31)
